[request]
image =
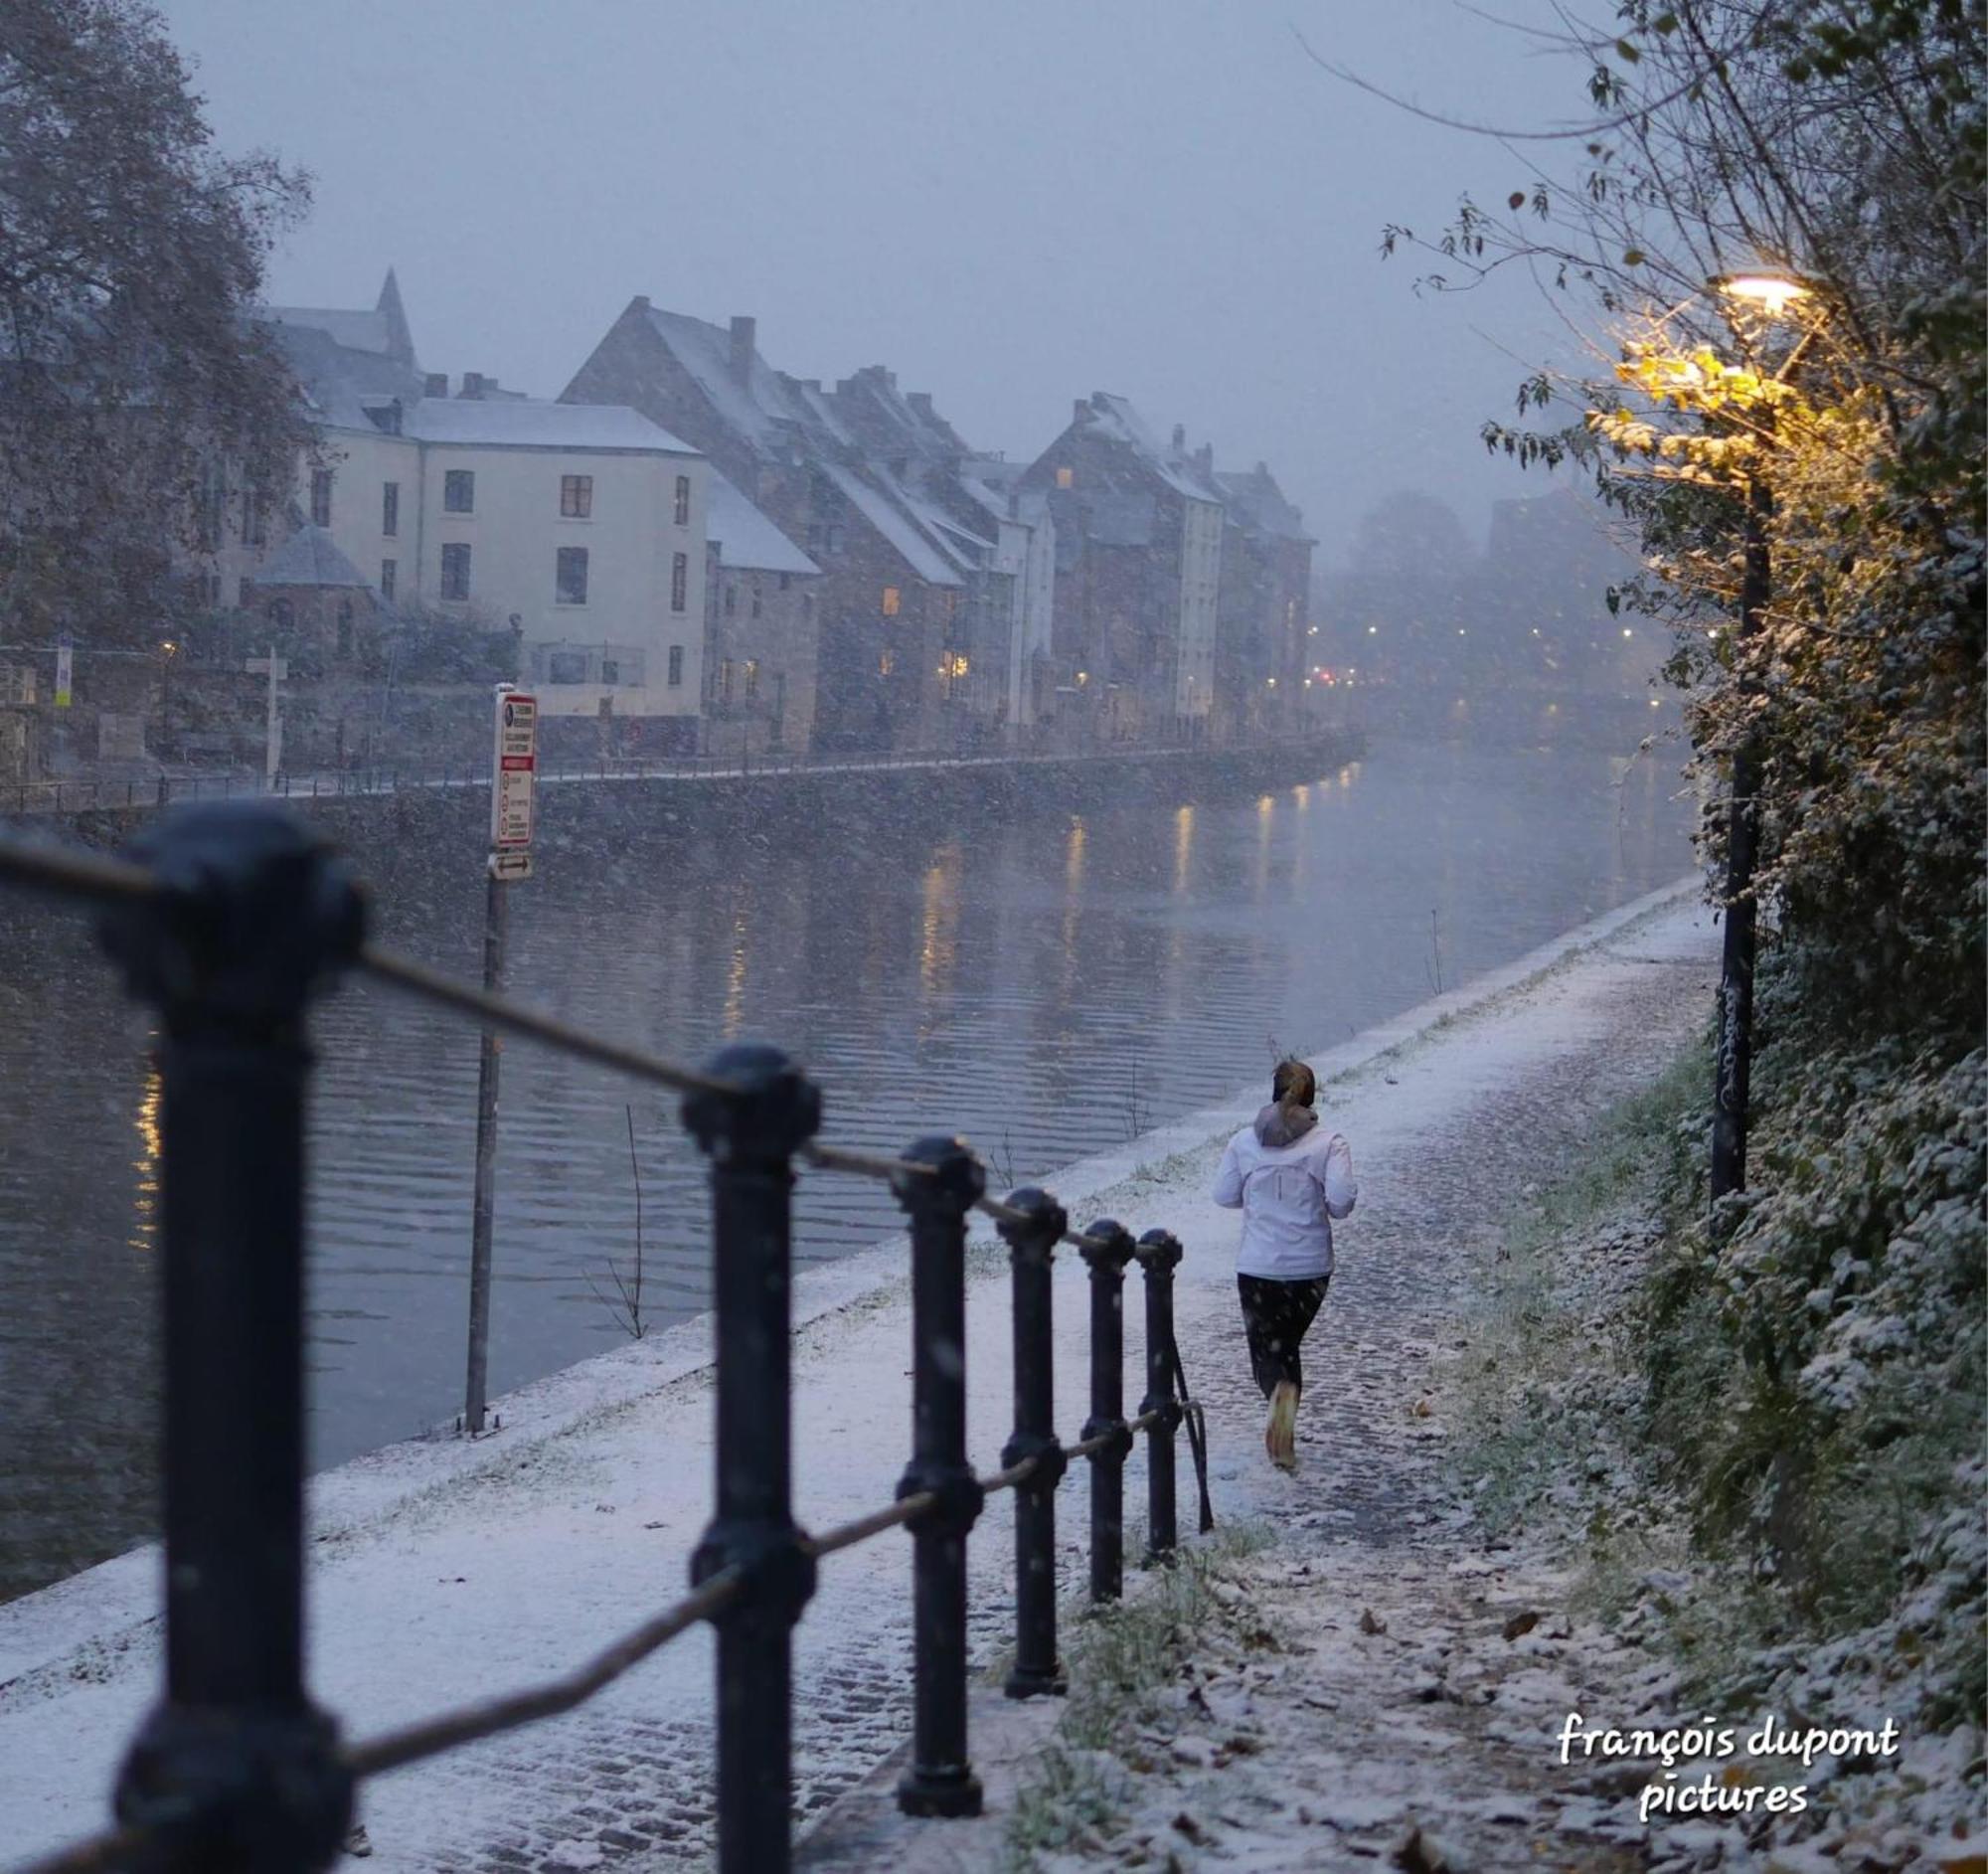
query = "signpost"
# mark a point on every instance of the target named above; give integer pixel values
(514, 764)
(64, 669)
(272, 729)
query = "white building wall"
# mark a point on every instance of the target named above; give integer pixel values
(631, 539)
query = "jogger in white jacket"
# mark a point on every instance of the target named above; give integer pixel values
(1290, 1179)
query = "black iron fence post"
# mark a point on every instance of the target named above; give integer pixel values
(941, 1780)
(750, 1131)
(1032, 1247)
(236, 1768)
(1159, 1256)
(1107, 1254)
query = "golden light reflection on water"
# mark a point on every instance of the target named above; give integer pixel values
(938, 933)
(145, 1201)
(1183, 848)
(734, 980)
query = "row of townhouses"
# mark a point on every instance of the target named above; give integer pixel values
(693, 551)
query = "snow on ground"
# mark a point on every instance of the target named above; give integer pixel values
(446, 1571)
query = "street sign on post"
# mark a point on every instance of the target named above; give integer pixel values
(514, 771)
(65, 666)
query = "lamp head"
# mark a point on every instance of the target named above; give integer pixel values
(1771, 294)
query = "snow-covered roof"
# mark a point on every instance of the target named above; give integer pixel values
(534, 423)
(912, 545)
(744, 536)
(310, 557)
(362, 328)
(754, 407)
(1258, 503)
(1115, 418)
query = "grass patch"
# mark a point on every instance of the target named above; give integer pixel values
(1120, 1659)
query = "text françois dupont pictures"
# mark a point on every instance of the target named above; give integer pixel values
(1711, 1794)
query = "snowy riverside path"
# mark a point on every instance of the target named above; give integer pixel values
(444, 1572)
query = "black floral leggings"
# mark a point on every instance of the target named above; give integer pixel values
(1277, 1313)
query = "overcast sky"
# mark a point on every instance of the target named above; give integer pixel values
(1010, 204)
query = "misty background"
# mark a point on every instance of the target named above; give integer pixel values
(1012, 207)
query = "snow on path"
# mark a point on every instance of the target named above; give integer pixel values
(444, 1572)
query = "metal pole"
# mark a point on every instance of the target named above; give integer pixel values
(1032, 1249)
(234, 1767)
(1159, 1256)
(751, 1133)
(1106, 1260)
(1735, 971)
(483, 1201)
(941, 1778)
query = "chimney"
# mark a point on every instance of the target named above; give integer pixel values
(1080, 411)
(640, 302)
(1180, 439)
(745, 334)
(1263, 471)
(1205, 456)
(435, 384)
(473, 385)
(919, 400)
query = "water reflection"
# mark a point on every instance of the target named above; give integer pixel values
(1013, 981)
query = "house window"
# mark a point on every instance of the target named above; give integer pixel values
(565, 667)
(786, 580)
(679, 581)
(890, 601)
(576, 497)
(725, 680)
(731, 597)
(752, 678)
(390, 508)
(610, 670)
(885, 664)
(458, 492)
(390, 571)
(683, 500)
(1063, 478)
(320, 497)
(676, 667)
(455, 569)
(569, 583)
(344, 627)
(244, 590)
(756, 605)
(255, 520)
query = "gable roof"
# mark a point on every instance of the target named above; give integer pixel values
(1257, 504)
(1114, 418)
(760, 406)
(908, 541)
(744, 536)
(310, 557)
(381, 328)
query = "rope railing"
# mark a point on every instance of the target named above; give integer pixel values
(227, 919)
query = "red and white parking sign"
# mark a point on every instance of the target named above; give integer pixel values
(514, 771)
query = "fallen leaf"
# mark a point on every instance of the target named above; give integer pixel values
(1371, 1623)
(1521, 1623)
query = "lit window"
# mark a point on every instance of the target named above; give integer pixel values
(885, 664)
(458, 492)
(890, 601)
(678, 582)
(320, 497)
(676, 667)
(570, 578)
(1063, 478)
(576, 497)
(682, 501)
(752, 678)
(455, 571)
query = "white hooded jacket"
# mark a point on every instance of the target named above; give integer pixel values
(1290, 1179)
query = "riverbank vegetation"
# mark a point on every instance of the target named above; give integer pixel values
(1798, 1372)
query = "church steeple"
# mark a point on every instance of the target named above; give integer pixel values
(399, 340)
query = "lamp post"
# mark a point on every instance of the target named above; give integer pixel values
(1772, 294)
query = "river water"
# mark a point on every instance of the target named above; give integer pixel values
(1051, 986)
